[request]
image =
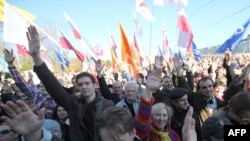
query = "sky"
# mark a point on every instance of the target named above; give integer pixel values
(212, 21)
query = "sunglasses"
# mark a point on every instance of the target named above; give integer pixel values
(5, 131)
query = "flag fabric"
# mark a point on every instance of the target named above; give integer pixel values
(180, 54)
(113, 44)
(61, 59)
(136, 45)
(25, 13)
(15, 28)
(138, 28)
(165, 38)
(22, 50)
(86, 46)
(62, 68)
(142, 8)
(47, 62)
(127, 53)
(160, 53)
(185, 32)
(113, 58)
(98, 51)
(67, 45)
(234, 40)
(196, 52)
(73, 26)
(176, 4)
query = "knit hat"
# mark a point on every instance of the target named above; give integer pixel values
(51, 125)
(178, 93)
(213, 127)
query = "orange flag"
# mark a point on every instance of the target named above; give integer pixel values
(113, 58)
(127, 53)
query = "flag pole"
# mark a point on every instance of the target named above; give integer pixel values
(151, 31)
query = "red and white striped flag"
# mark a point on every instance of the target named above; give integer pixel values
(185, 32)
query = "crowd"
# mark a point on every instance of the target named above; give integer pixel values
(170, 100)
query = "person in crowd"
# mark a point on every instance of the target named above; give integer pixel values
(18, 122)
(219, 88)
(61, 115)
(76, 92)
(131, 101)
(71, 89)
(82, 112)
(140, 82)
(39, 95)
(204, 102)
(116, 124)
(53, 127)
(117, 87)
(237, 110)
(163, 94)
(153, 122)
(180, 105)
(213, 128)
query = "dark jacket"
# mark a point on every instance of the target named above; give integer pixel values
(81, 113)
(106, 92)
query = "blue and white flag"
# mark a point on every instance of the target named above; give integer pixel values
(196, 52)
(61, 59)
(234, 40)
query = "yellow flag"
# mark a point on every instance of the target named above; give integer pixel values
(25, 13)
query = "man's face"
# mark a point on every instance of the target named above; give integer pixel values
(167, 83)
(117, 87)
(181, 103)
(107, 136)
(130, 92)
(86, 86)
(206, 88)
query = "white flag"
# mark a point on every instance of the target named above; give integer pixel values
(142, 8)
(14, 27)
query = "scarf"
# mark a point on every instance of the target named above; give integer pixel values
(164, 136)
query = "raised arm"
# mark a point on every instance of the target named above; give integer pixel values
(143, 117)
(52, 85)
(101, 80)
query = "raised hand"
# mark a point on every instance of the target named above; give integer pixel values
(188, 129)
(99, 67)
(177, 61)
(8, 56)
(33, 39)
(158, 61)
(21, 119)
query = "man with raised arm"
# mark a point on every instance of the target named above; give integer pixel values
(82, 111)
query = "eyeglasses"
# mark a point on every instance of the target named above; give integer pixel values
(5, 131)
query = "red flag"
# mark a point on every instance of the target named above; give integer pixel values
(185, 32)
(73, 26)
(22, 50)
(67, 45)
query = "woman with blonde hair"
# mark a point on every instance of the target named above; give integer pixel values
(152, 122)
